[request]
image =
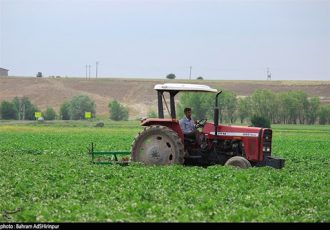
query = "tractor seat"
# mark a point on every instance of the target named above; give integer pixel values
(189, 138)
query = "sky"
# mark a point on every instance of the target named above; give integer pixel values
(214, 39)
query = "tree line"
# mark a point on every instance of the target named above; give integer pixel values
(74, 109)
(292, 107)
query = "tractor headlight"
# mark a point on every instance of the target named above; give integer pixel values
(266, 149)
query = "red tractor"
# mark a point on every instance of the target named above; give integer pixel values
(162, 140)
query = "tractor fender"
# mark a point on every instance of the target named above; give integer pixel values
(167, 122)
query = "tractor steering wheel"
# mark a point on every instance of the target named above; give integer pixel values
(200, 123)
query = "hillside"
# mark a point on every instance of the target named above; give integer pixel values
(137, 94)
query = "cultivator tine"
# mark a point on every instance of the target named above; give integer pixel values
(90, 148)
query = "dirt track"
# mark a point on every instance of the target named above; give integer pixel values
(138, 95)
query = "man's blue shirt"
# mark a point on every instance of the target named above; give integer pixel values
(187, 125)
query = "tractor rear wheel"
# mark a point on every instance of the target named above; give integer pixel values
(157, 145)
(239, 162)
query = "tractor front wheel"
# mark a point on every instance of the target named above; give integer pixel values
(157, 145)
(239, 162)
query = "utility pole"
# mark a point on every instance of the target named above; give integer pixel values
(190, 73)
(86, 71)
(96, 69)
(269, 74)
(89, 72)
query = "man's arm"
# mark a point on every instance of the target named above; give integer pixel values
(181, 123)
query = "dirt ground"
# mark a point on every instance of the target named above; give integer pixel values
(138, 95)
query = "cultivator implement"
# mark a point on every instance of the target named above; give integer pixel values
(108, 157)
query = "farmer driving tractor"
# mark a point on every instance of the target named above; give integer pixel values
(187, 125)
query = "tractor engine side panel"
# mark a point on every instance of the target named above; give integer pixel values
(249, 136)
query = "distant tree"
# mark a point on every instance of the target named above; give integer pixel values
(228, 106)
(79, 105)
(293, 107)
(258, 121)
(117, 111)
(49, 114)
(324, 115)
(25, 109)
(171, 76)
(39, 74)
(262, 103)
(65, 111)
(8, 110)
(200, 78)
(286, 108)
(302, 106)
(198, 102)
(243, 108)
(313, 110)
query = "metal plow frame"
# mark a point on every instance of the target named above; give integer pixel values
(112, 156)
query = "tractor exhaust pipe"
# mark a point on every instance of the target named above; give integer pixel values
(216, 114)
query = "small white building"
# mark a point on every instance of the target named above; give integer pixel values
(3, 72)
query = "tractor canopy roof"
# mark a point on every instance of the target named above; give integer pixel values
(184, 87)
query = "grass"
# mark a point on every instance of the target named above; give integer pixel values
(46, 175)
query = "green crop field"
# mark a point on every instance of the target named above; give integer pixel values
(46, 175)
